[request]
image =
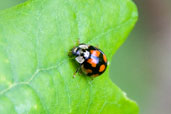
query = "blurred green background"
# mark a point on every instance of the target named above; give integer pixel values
(142, 65)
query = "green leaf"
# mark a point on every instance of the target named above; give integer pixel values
(36, 74)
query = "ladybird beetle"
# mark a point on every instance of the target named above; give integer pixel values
(92, 61)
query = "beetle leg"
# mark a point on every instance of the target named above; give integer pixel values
(92, 78)
(97, 46)
(78, 41)
(76, 71)
(70, 53)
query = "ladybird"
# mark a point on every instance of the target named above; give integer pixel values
(92, 61)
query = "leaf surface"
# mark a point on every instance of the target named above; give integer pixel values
(36, 74)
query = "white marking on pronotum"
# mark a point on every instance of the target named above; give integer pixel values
(83, 46)
(79, 59)
(86, 54)
(75, 49)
